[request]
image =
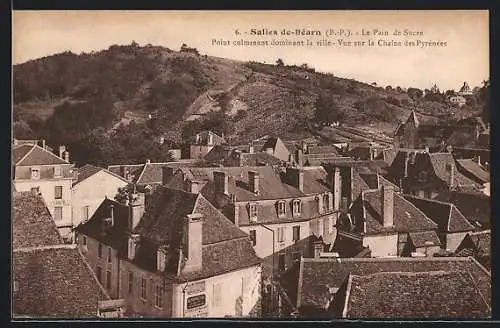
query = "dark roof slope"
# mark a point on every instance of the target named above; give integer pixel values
(88, 170)
(472, 170)
(32, 224)
(407, 217)
(18, 152)
(424, 238)
(317, 275)
(446, 215)
(434, 294)
(55, 281)
(440, 161)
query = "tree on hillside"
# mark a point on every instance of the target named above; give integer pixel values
(280, 62)
(415, 93)
(327, 110)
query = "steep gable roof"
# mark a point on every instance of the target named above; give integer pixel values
(32, 224)
(473, 170)
(39, 156)
(55, 281)
(446, 215)
(316, 276)
(424, 238)
(18, 152)
(433, 294)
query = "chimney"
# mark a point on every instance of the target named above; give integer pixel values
(388, 206)
(210, 139)
(299, 153)
(193, 242)
(452, 174)
(167, 174)
(112, 214)
(195, 187)
(221, 182)
(43, 143)
(295, 177)
(148, 161)
(236, 214)
(336, 189)
(133, 243)
(62, 149)
(318, 248)
(136, 209)
(253, 181)
(407, 159)
(161, 258)
(66, 156)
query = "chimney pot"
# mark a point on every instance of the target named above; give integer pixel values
(66, 156)
(62, 149)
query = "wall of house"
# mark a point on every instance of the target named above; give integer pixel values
(454, 239)
(382, 245)
(91, 192)
(325, 227)
(199, 151)
(264, 237)
(236, 293)
(47, 189)
(136, 305)
(91, 253)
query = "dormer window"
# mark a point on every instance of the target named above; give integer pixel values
(296, 207)
(35, 173)
(252, 212)
(57, 171)
(281, 208)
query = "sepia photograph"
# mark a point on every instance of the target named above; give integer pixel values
(250, 165)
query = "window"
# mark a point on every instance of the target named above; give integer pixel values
(35, 190)
(99, 251)
(130, 283)
(253, 237)
(57, 172)
(281, 234)
(253, 211)
(326, 202)
(98, 272)
(58, 213)
(296, 233)
(110, 253)
(281, 208)
(108, 279)
(85, 212)
(35, 173)
(281, 262)
(84, 241)
(143, 288)
(58, 192)
(159, 295)
(216, 295)
(296, 207)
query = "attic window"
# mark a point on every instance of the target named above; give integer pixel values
(281, 208)
(35, 173)
(252, 212)
(296, 207)
(57, 171)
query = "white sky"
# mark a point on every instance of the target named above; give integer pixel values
(466, 58)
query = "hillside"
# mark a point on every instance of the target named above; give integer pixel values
(64, 97)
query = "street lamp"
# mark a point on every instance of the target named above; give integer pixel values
(274, 267)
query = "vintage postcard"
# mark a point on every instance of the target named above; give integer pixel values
(260, 165)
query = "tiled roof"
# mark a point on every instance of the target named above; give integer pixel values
(440, 161)
(446, 215)
(375, 181)
(20, 151)
(55, 281)
(424, 238)
(317, 275)
(327, 149)
(407, 217)
(32, 224)
(473, 170)
(434, 294)
(474, 206)
(481, 242)
(88, 170)
(348, 246)
(40, 156)
(259, 158)
(152, 173)
(134, 169)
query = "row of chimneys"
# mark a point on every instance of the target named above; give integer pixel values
(63, 153)
(191, 248)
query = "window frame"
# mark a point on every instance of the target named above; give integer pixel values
(58, 195)
(33, 170)
(296, 233)
(144, 289)
(57, 171)
(130, 283)
(159, 295)
(296, 207)
(56, 209)
(254, 238)
(281, 208)
(35, 190)
(86, 211)
(281, 234)
(252, 211)
(110, 255)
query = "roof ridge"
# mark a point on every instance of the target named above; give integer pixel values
(414, 206)
(347, 295)
(389, 259)
(410, 273)
(25, 155)
(142, 172)
(39, 248)
(479, 290)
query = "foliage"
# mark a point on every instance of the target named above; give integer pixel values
(375, 107)
(125, 194)
(326, 109)
(393, 100)
(280, 62)
(216, 122)
(415, 93)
